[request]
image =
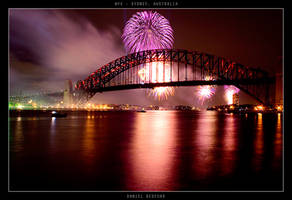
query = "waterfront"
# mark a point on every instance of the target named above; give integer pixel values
(152, 151)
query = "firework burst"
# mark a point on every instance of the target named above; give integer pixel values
(205, 92)
(161, 93)
(147, 30)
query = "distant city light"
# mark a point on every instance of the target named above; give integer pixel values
(19, 106)
(259, 108)
(279, 108)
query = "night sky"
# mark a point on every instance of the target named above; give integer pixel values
(49, 46)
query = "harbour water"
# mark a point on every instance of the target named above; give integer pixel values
(151, 151)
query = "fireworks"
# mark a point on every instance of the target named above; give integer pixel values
(159, 73)
(147, 30)
(205, 92)
(229, 92)
(161, 93)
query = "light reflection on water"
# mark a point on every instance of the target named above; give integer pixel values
(88, 147)
(205, 142)
(18, 136)
(156, 150)
(53, 134)
(215, 145)
(229, 145)
(278, 141)
(259, 142)
(152, 151)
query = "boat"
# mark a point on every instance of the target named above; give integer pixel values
(57, 114)
(141, 110)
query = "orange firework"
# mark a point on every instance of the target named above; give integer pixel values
(161, 93)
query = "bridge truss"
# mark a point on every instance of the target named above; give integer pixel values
(177, 67)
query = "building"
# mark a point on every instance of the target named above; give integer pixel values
(68, 100)
(235, 99)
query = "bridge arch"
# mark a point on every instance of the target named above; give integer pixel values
(253, 81)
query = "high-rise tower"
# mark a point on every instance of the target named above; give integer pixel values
(68, 93)
(235, 99)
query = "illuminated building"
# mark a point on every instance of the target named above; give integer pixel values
(235, 99)
(68, 100)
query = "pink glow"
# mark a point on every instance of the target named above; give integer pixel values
(229, 92)
(205, 92)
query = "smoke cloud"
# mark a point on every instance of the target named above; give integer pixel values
(48, 46)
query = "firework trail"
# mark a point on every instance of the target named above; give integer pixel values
(230, 90)
(148, 30)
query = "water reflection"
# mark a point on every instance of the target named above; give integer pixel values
(152, 150)
(204, 142)
(278, 142)
(89, 153)
(159, 150)
(17, 136)
(258, 143)
(229, 145)
(53, 134)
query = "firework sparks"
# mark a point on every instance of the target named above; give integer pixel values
(205, 92)
(159, 73)
(147, 30)
(229, 92)
(157, 76)
(161, 93)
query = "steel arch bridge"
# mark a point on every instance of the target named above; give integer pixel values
(177, 67)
